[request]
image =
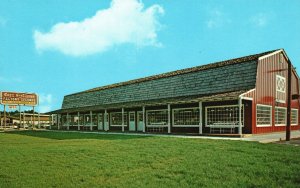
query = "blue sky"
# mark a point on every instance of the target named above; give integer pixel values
(55, 48)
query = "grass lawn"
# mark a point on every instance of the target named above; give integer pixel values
(60, 159)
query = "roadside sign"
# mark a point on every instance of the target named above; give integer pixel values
(14, 98)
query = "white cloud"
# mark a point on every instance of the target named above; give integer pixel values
(125, 21)
(45, 103)
(259, 20)
(217, 19)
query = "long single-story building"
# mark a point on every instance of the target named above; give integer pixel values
(246, 95)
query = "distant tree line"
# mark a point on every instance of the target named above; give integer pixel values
(17, 112)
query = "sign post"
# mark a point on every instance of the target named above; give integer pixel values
(20, 117)
(4, 117)
(33, 118)
(14, 99)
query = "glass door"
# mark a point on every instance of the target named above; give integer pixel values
(100, 121)
(140, 121)
(131, 121)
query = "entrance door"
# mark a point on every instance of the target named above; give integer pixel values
(131, 121)
(140, 121)
(100, 121)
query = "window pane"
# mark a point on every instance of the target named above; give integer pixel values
(294, 117)
(131, 116)
(224, 115)
(280, 83)
(71, 119)
(140, 116)
(188, 116)
(81, 119)
(95, 119)
(264, 115)
(100, 118)
(64, 119)
(116, 118)
(157, 117)
(87, 119)
(280, 89)
(280, 116)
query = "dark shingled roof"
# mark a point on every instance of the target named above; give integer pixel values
(182, 71)
(223, 77)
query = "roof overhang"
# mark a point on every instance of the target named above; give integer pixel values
(233, 95)
(273, 53)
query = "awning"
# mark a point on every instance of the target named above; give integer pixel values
(178, 100)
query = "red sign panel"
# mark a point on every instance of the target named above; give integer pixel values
(13, 98)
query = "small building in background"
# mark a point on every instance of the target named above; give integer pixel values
(27, 119)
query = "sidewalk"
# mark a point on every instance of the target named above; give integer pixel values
(272, 137)
(262, 138)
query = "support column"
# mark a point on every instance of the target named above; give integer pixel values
(0, 120)
(169, 118)
(83, 126)
(144, 123)
(78, 126)
(91, 123)
(68, 127)
(24, 119)
(106, 126)
(98, 121)
(240, 116)
(51, 124)
(33, 118)
(39, 120)
(200, 117)
(58, 121)
(20, 117)
(122, 119)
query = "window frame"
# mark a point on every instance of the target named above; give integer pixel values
(147, 125)
(271, 116)
(64, 120)
(283, 92)
(87, 119)
(233, 105)
(94, 119)
(295, 109)
(174, 109)
(125, 122)
(279, 125)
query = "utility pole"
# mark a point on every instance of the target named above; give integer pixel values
(288, 125)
